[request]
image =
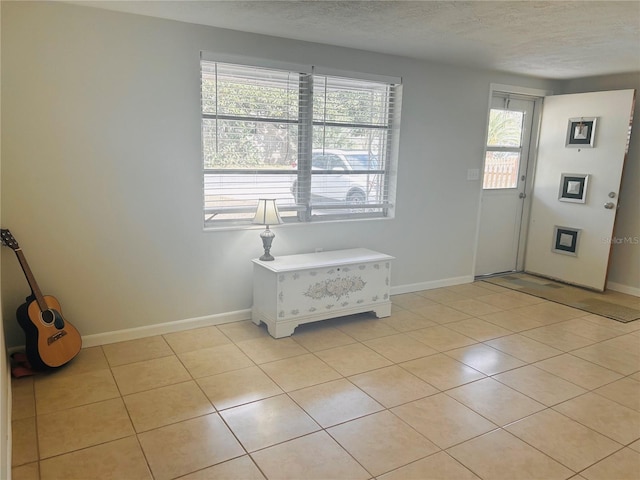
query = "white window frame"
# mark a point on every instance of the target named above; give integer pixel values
(304, 206)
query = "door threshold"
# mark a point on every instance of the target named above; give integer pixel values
(497, 274)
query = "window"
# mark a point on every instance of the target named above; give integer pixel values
(320, 144)
(504, 148)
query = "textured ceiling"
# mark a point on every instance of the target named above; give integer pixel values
(551, 39)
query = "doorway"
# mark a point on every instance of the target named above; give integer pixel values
(512, 124)
(567, 220)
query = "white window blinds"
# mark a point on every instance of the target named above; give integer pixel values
(321, 145)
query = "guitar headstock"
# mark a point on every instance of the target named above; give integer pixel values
(8, 240)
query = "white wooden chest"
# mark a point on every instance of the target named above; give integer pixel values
(296, 289)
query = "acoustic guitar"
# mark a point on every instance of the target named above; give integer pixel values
(51, 341)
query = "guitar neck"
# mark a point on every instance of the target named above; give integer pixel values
(35, 289)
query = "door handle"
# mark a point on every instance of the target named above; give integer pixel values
(609, 205)
(522, 195)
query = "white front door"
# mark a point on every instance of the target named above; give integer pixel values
(583, 144)
(500, 244)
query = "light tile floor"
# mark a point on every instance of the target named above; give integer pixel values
(465, 382)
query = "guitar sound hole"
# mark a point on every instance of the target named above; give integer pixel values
(48, 316)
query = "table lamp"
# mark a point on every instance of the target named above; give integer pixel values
(267, 214)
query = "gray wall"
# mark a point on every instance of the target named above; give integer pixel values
(101, 168)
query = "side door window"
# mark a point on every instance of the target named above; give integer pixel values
(504, 148)
(335, 163)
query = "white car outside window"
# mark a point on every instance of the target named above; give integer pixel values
(344, 176)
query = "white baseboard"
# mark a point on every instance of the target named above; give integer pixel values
(162, 328)
(239, 315)
(105, 338)
(416, 287)
(618, 287)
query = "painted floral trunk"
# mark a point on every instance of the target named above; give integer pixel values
(311, 287)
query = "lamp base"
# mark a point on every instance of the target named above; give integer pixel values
(267, 238)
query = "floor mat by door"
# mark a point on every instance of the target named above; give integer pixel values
(618, 306)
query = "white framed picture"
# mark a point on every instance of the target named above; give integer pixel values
(573, 187)
(581, 132)
(565, 240)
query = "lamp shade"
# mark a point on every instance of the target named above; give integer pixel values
(267, 212)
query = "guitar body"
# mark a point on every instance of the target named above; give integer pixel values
(51, 341)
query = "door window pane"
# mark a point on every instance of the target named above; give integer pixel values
(505, 128)
(501, 170)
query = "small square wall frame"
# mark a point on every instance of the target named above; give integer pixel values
(581, 132)
(573, 187)
(565, 240)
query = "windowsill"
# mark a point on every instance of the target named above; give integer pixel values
(224, 228)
